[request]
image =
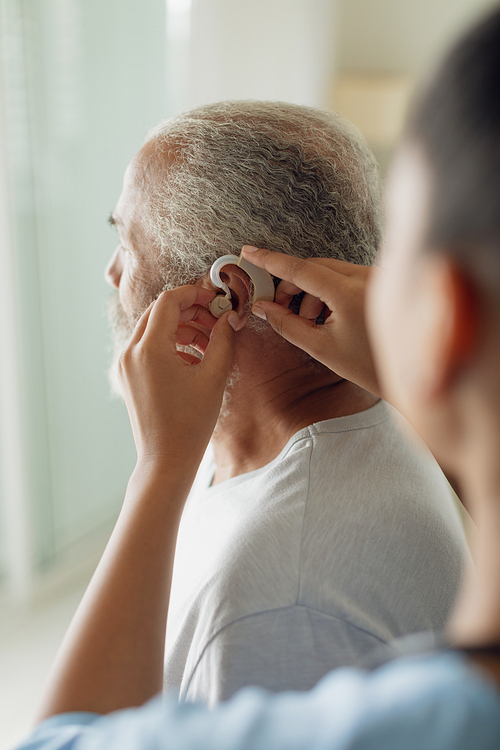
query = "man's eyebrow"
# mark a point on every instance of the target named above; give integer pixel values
(113, 220)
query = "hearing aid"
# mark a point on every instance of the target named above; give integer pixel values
(263, 285)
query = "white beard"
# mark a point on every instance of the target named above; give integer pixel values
(122, 328)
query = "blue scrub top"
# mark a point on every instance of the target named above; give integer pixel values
(435, 701)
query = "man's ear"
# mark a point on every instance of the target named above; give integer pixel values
(452, 324)
(240, 287)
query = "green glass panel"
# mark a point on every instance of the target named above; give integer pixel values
(85, 80)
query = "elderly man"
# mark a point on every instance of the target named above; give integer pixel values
(313, 532)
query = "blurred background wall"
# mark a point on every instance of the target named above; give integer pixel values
(81, 82)
(385, 47)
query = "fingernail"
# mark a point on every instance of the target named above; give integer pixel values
(259, 312)
(233, 320)
(250, 248)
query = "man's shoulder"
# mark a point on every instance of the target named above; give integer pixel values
(325, 441)
(372, 450)
(353, 426)
(373, 433)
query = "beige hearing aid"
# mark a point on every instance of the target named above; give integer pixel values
(261, 279)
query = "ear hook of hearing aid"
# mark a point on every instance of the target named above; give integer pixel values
(262, 281)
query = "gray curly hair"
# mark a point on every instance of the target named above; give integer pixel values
(290, 178)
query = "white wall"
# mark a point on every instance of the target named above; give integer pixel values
(263, 49)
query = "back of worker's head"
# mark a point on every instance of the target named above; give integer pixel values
(281, 176)
(457, 122)
(435, 313)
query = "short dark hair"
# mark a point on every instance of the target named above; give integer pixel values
(457, 123)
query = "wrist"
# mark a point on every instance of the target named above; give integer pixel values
(164, 476)
(169, 455)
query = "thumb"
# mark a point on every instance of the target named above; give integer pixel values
(292, 327)
(219, 352)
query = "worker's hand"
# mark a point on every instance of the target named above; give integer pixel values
(173, 398)
(331, 286)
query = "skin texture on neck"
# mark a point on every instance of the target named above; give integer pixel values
(279, 392)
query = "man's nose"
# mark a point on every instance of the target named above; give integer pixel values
(114, 269)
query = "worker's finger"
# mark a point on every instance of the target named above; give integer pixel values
(189, 358)
(141, 325)
(295, 329)
(198, 314)
(183, 302)
(285, 291)
(314, 275)
(219, 352)
(190, 336)
(311, 307)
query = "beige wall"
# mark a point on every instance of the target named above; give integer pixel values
(384, 48)
(402, 36)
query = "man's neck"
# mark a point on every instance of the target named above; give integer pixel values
(269, 404)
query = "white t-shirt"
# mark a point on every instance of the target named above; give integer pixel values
(346, 540)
